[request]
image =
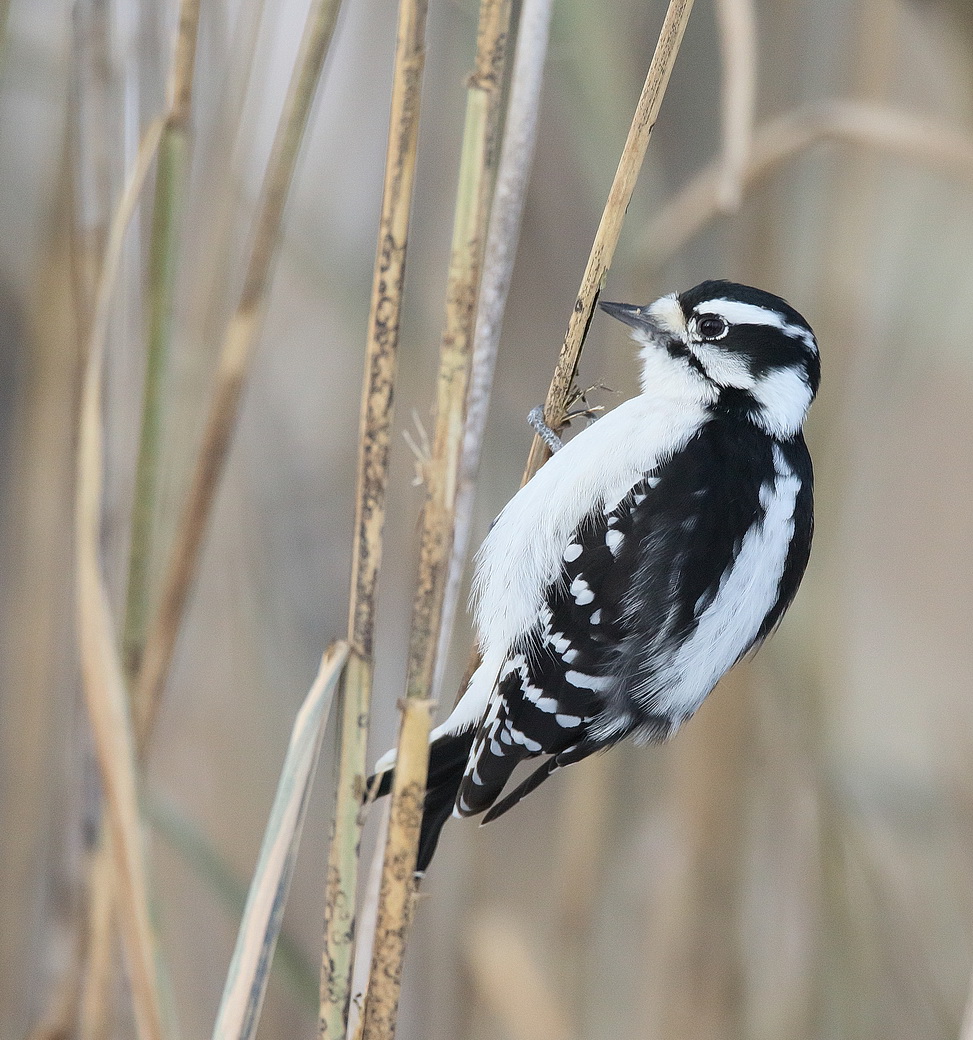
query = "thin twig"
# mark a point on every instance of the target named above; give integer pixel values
(737, 21)
(373, 455)
(234, 364)
(513, 173)
(470, 222)
(101, 668)
(609, 229)
(170, 193)
(941, 148)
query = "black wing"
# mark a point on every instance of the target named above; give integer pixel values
(551, 689)
(634, 582)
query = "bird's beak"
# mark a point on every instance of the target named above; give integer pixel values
(662, 318)
(627, 313)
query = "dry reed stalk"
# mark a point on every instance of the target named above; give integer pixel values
(233, 367)
(101, 669)
(587, 809)
(513, 173)
(738, 53)
(586, 812)
(90, 214)
(609, 229)
(189, 842)
(470, 222)
(399, 891)
(367, 918)
(95, 1003)
(249, 972)
(476, 177)
(172, 172)
(91, 202)
(508, 979)
(943, 149)
(337, 955)
(701, 995)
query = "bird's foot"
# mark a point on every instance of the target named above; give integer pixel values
(535, 419)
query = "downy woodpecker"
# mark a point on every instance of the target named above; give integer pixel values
(652, 552)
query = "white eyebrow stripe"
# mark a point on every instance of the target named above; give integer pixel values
(738, 313)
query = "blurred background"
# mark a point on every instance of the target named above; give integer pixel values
(799, 862)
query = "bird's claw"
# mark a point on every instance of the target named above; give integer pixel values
(535, 419)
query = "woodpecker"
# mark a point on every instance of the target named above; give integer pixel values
(650, 553)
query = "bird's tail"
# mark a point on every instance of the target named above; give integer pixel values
(447, 761)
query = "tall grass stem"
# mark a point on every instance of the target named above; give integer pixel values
(337, 957)
(478, 159)
(234, 365)
(513, 174)
(101, 669)
(172, 173)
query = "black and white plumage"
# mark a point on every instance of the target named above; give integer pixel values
(650, 554)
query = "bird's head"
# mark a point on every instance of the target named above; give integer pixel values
(740, 350)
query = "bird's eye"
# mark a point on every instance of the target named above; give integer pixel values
(712, 326)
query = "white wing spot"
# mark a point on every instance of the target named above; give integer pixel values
(572, 552)
(525, 741)
(581, 592)
(614, 539)
(640, 497)
(596, 617)
(559, 642)
(653, 481)
(568, 656)
(587, 682)
(532, 693)
(568, 721)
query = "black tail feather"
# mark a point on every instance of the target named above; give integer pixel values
(384, 785)
(447, 761)
(437, 810)
(522, 790)
(568, 757)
